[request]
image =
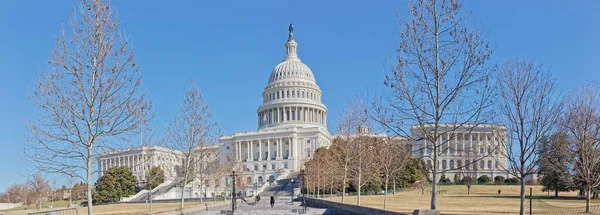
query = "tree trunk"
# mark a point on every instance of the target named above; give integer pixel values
(433, 187)
(330, 191)
(522, 206)
(469, 190)
(385, 193)
(318, 186)
(587, 198)
(88, 180)
(394, 191)
(358, 196)
(183, 189)
(556, 193)
(201, 178)
(150, 196)
(344, 183)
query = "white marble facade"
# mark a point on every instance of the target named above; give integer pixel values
(140, 160)
(483, 143)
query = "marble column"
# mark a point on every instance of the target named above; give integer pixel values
(247, 152)
(269, 149)
(251, 151)
(478, 142)
(471, 143)
(463, 144)
(239, 150)
(290, 147)
(277, 149)
(260, 152)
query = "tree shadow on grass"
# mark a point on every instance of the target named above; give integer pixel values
(518, 197)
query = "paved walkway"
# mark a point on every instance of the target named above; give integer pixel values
(282, 206)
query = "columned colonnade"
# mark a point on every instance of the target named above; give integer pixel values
(267, 149)
(461, 143)
(292, 114)
(132, 161)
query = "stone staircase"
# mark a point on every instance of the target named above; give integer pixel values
(283, 187)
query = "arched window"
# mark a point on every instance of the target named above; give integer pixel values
(429, 164)
(496, 164)
(444, 164)
(489, 164)
(452, 164)
(249, 180)
(260, 179)
(271, 178)
(459, 164)
(481, 164)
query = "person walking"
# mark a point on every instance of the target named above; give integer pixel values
(272, 201)
(257, 198)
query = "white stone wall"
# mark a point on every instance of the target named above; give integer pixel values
(484, 144)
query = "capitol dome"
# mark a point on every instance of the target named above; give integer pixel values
(292, 70)
(292, 96)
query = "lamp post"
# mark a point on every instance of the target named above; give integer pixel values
(233, 194)
(254, 193)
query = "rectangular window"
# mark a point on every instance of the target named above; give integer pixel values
(272, 166)
(255, 167)
(285, 165)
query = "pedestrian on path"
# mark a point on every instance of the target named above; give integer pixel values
(272, 201)
(257, 198)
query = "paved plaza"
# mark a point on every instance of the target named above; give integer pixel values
(282, 206)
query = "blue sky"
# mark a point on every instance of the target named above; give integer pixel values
(230, 48)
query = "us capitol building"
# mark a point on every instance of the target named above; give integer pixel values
(292, 124)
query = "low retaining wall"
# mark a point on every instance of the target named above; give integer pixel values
(5, 206)
(341, 208)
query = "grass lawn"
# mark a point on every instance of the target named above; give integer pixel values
(484, 199)
(125, 209)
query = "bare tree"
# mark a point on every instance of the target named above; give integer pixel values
(391, 157)
(89, 100)
(352, 118)
(331, 170)
(582, 124)
(530, 110)
(363, 166)
(40, 190)
(470, 170)
(440, 77)
(16, 193)
(189, 132)
(70, 185)
(206, 161)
